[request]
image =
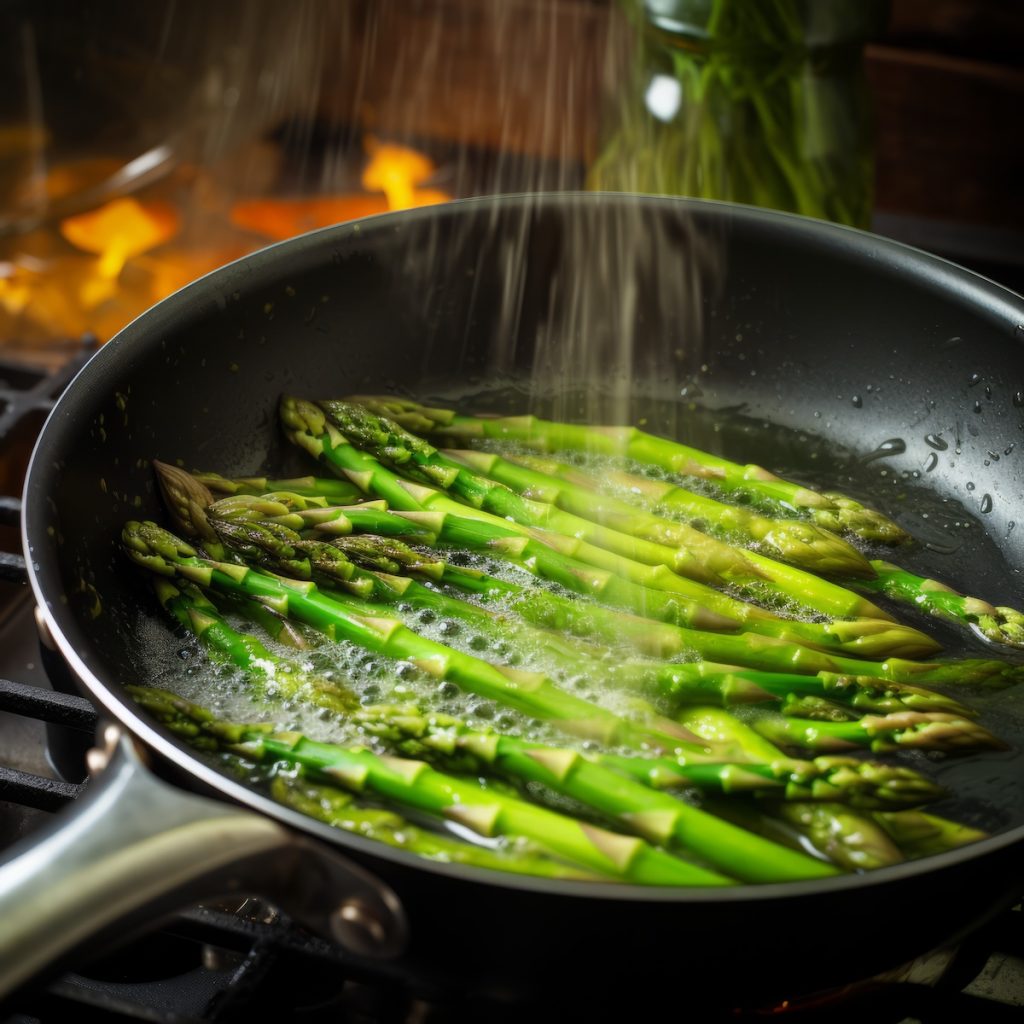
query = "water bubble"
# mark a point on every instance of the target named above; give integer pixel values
(975, 378)
(1018, 399)
(856, 401)
(1008, 450)
(986, 503)
(937, 442)
(970, 485)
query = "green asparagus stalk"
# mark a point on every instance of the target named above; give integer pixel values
(656, 816)
(1000, 625)
(339, 809)
(831, 511)
(848, 838)
(186, 499)
(864, 784)
(919, 834)
(662, 594)
(484, 809)
(370, 627)
(275, 676)
(337, 492)
(706, 682)
(902, 730)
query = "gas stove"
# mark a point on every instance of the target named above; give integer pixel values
(223, 962)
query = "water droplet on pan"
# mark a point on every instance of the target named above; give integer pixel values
(892, 446)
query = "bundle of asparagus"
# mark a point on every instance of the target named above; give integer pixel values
(707, 676)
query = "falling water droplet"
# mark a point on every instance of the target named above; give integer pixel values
(857, 401)
(1018, 399)
(931, 462)
(975, 378)
(977, 406)
(986, 503)
(936, 442)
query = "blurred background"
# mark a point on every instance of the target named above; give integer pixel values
(142, 145)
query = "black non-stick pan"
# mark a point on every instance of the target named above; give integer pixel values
(828, 353)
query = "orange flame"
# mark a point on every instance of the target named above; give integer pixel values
(390, 177)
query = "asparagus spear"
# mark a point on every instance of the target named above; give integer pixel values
(337, 492)
(854, 840)
(656, 816)
(707, 682)
(863, 784)
(831, 511)
(905, 729)
(340, 810)
(276, 676)
(653, 591)
(484, 809)
(1001, 625)
(919, 834)
(368, 626)
(186, 499)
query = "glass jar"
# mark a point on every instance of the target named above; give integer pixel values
(756, 101)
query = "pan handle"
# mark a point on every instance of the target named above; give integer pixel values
(134, 847)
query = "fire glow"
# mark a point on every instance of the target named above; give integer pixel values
(101, 268)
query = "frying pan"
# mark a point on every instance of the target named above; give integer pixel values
(804, 346)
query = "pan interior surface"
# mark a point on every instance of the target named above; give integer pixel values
(820, 352)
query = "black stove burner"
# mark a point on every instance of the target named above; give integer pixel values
(244, 960)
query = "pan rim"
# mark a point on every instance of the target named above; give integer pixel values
(996, 299)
